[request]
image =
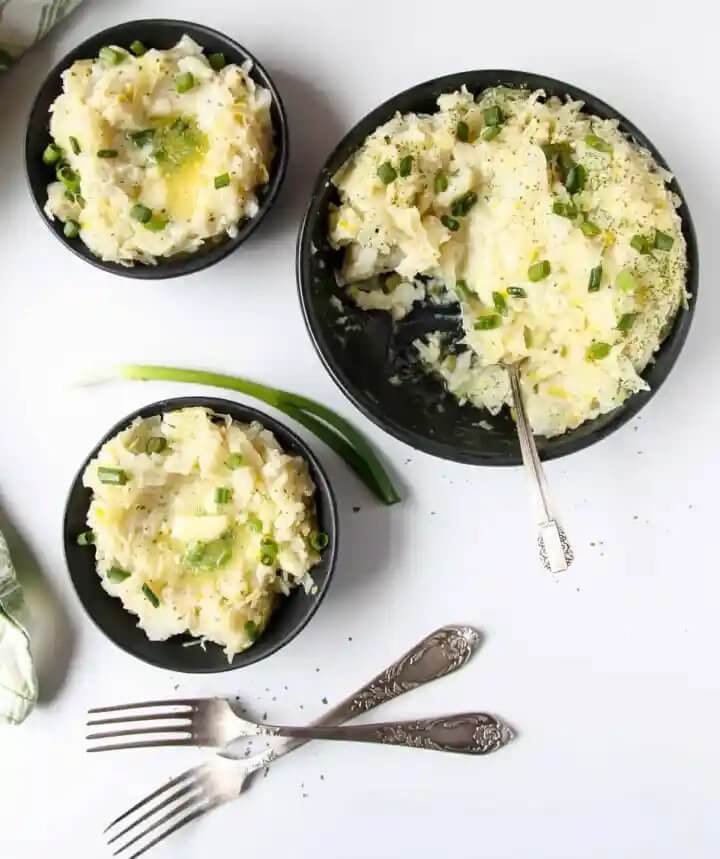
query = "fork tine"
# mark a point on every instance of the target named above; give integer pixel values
(177, 702)
(174, 828)
(146, 744)
(184, 806)
(154, 809)
(193, 772)
(147, 717)
(133, 732)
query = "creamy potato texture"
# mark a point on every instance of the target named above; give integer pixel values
(200, 524)
(160, 152)
(556, 233)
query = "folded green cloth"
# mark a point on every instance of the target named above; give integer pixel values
(24, 22)
(18, 685)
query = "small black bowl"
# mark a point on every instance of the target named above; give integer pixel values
(292, 612)
(163, 34)
(363, 355)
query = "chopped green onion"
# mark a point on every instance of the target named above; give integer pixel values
(589, 229)
(462, 132)
(114, 476)
(319, 540)
(463, 204)
(251, 630)
(184, 82)
(52, 154)
(598, 143)
(142, 138)
(268, 551)
(597, 351)
(487, 323)
(87, 538)
(75, 145)
(663, 242)
(69, 178)
(386, 173)
(527, 337)
(516, 292)
(405, 166)
(441, 182)
(138, 48)
(575, 179)
(156, 444)
(254, 523)
(150, 595)
(107, 153)
(235, 460)
(223, 494)
(625, 323)
(156, 224)
(71, 229)
(626, 281)
(452, 224)
(490, 132)
(111, 56)
(493, 115)
(595, 278)
(217, 61)
(117, 574)
(499, 302)
(565, 210)
(640, 243)
(462, 287)
(141, 213)
(222, 181)
(539, 270)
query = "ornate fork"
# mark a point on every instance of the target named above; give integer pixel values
(198, 790)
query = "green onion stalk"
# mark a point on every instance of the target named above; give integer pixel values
(338, 433)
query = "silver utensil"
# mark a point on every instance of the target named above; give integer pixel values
(202, 788)
(556, 554)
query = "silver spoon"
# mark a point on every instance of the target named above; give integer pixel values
(556, 554)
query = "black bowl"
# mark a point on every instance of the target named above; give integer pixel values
(363, 355)
(155, 33)
(292, 612)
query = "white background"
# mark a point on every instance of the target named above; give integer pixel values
(609, 674)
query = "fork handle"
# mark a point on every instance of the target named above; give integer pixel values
(467, 733)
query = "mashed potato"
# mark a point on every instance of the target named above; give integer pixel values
(557, 235)
(158, 153)
(199, 524)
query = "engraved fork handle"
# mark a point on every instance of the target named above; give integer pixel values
(466, 733)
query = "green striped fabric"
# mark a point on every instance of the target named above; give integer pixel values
(24, 22)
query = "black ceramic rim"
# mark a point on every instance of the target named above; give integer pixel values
(164, 32)
(403, 102)
(80, 563)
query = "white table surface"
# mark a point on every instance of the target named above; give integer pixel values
(610, 674)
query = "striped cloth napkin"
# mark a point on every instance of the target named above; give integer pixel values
(24, 22)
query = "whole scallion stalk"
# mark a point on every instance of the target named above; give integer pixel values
(327, 425)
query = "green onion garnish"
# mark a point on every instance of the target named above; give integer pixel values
(565, 210)
(452, 224)
(150, 595)
(386, 173)
(527, 337)
(462, 287)
(539, 270)
(184, 82)
(487, 323)
(138, 48)
(156, 224)
(440, 183)
(111, 56)
(490, 132)
(251, 630)
(117, 574)
(156, 444)
(71, 229)
(663, 242)
(254, 523)
(222, 181)
(575, 179)
(595, 278)
(516, 292)
(462, 132)
(626, 281)
(598, 143)
(107, 153)
(597, 351)
(114, 476)
(141, 213)
(640, 243)
(142, 138)
(75, 145)
(87, 538)
(493, 115)
(217, 61)
(405, 166)
(69, 178)
(625, 323)
(499, 302)
(223, 494)
(589, 229)
(463, 204)
(235, 460)
(268, 551)
(319, 540)
(52, 154)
